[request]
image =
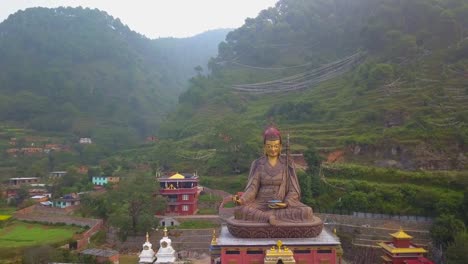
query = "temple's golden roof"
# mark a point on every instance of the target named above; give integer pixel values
(177, 176)
(411, 250)
(401, 235)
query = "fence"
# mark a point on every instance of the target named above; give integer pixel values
(366, 215)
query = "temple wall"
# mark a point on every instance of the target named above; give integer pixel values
(369, 231)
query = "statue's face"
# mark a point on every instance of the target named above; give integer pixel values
(272, 148)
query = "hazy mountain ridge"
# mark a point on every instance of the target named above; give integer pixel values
(81, 70)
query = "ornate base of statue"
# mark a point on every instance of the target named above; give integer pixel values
(248, 229)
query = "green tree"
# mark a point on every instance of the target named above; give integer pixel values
(314, 161)
(456, 251)
(355, 201)
(133, 204)
(464, 207)
(445, 228)
(380, 74)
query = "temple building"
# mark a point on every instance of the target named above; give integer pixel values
(402, 251)
(181, 191)
(322, 249)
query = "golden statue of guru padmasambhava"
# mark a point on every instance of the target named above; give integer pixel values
(272, 194)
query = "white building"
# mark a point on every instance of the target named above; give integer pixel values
(85, 141)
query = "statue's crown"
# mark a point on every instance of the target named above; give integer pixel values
(271, 133)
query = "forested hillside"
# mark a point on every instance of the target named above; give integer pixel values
(83, 72)
(383, 82)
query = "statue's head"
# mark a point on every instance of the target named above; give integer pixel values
(272, 142)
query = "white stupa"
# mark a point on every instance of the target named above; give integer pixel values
(166, 254)
(147, 254)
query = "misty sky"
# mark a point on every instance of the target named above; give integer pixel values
(160, 18)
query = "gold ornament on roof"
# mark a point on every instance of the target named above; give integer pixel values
(279, 244)
(213, 238)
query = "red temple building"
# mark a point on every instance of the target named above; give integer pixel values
(181, 191)
(323, 249)
(402, 251)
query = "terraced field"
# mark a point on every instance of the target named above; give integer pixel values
(20, 234)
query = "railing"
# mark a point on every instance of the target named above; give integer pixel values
(179, 190)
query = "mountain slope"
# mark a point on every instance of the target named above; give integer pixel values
(404, 106)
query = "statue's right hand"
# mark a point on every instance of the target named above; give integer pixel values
(236, 199)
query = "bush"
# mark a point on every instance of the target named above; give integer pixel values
(99, 237)
(197, 224)
(380, 74)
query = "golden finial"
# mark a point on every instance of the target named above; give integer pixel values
(147, 237)
(334, 231)
(165, 231)
(213, 238)
(279, 244)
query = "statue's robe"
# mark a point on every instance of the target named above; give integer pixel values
(267, 183)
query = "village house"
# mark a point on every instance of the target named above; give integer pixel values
(103, 180)
(85, 141)
(12, 151)
(55, 147)
(39, 198)
(57, 174)
(113, 179)
(152, 139)
(99, 180)
(32, 151)
(67, 200)
(23, 181)
(39, 191)
(83, 169)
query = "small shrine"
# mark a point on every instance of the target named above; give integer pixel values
(402, 251)
(147, 254)
(279, 254)
(166, 254)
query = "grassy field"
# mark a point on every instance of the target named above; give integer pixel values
(128, 259)
(20, 234)
(7, 210)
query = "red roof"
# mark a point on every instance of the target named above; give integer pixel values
(420, 260)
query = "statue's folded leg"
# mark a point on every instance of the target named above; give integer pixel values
(294, 214)
(261, 213)
(253, 212)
